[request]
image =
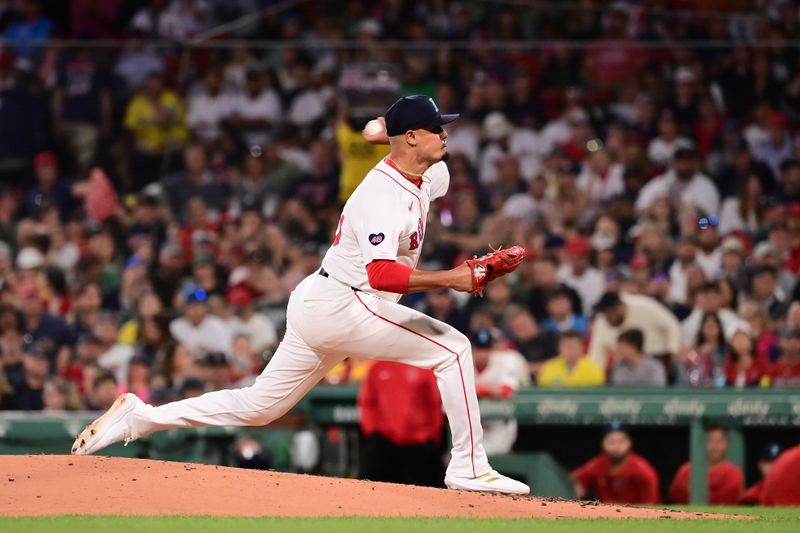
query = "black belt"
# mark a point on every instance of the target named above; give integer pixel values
(326, 275)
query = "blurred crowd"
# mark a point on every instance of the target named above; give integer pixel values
(158, 204)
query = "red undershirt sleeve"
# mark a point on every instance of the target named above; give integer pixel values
(389, 276)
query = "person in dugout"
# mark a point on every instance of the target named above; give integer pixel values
(782, 485)
(401, 424)
(617, 475)
(766, 459)
(725, 480)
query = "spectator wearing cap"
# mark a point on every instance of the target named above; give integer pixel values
(504, 141)
(200, 331)
(499, 373)
(29, 263)
(535, 345)
(786, 371)
(742, 368)
(570, 368)
(215, 370)
(401, 424)
(633, 369)
(246, 320)
(618, 312)
(778, 148)
(49, 190)
(618, 474)
(769, 454)
(49, 332)
(782, 485)
(765, 291)
(579, 273)
(732, 262)
(682, 185)
(725, 480)
(560, 317)
(745, 211)
(28, 385)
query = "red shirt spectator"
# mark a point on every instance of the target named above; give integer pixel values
(632, 481)
(402, 403)
(782, 486)
(786, 371)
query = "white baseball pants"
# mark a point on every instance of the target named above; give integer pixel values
(327, 322)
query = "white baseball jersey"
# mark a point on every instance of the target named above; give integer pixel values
(384, 218)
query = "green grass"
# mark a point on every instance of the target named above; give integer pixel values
(767, 521)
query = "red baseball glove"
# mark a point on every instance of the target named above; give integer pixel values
(493, 265)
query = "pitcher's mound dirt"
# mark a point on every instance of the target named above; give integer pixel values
(59, 485)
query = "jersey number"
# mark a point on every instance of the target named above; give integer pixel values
(339, 232)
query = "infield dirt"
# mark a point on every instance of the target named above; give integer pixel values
(46, 485)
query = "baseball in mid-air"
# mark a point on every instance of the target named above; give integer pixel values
(373, 127)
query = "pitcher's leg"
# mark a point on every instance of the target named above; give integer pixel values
(292, 372)
(384, 330)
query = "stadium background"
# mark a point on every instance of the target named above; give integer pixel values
(567, 107)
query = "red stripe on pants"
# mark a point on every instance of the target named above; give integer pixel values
(460, 373)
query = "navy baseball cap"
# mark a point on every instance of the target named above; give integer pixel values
(482, 338)
(414, 112)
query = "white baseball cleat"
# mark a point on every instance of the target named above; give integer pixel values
(491, 481)
(111, 427)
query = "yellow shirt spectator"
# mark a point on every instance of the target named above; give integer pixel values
(571, 368)
(157, 121)
(585, 373)
(358, 157)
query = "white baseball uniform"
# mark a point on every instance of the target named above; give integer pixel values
(337, 314)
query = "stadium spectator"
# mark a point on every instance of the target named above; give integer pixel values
(725, 480)
(499, 373)
(401, 422)
(786, 371)
(579, 274)
(618, 312)
(571, 368)
(777, 148)
(103, 392)
(742, 367)
(705, 357)
(682, 184)
(28, 385)
(545, 279)
(769, 454)
(560, 317)
(767, 293)
(782, 485)
(618, 474)
(60, 395)
(634, 369)
(199, 331)
(525, 334)
(707, 300)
